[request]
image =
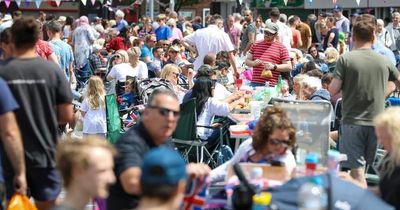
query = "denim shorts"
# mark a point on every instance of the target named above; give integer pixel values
(44, 184)
(359, 143)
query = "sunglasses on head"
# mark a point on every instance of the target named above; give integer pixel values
(118, 56)
(277, 142)
(165, 111)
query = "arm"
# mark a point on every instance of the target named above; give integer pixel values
(250, 62)
(299, 41)
(130, 180)
(10, 135)
(331, 37)
(65, 113)
(335, 86)
(147, 59)
(233, 64)
(284, 67)
(53, 58)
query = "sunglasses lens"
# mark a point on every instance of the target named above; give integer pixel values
(165, 112)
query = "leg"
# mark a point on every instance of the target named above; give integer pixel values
(358, 174)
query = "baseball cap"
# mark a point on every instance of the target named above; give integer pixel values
(62, 19)
(338, 8)
(271, 27)
(174, 48)
(163, 166)
(184, 63)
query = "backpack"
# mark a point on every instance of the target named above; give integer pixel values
(147, 86)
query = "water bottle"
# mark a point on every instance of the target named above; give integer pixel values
(312, 195)
(311, 164)
(279, 85)
(333, 161)
(261, 201)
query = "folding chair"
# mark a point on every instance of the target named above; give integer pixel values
(114, 125)
(371, 171)
(186, 140)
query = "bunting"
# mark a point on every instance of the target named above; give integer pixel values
(18, 2)
(38, 3)
(58, 2)
(358, 2)
(309, 2)
(334, 2)
(101, 1)
(285, 1)
(93, 2)
(7, 3)
(84, 2)
(27, 3)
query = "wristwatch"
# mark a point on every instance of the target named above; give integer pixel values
(275, 67)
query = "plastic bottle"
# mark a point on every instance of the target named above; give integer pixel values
(256, 178)
(279, 85)
(312, 195)
(311, 163)
(267, 92)
(333, 161)
(261, 201)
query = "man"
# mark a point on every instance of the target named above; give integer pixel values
(284, 32)
(61, 48)
(186, 77)
(238, 19)
(210, 59)
(233, 31)
(211, 40)
(157, 124)
(163, 32)
(121, 22)
(342, 22)
(394, 32)
(157, 63)
(306, 35)
(87, 169)
(146, 55)
(382, 35)
(12, 143)
(296, 36)
(268, 55)
(362, 75)
(249, 34)
(174, 55)
(163, 169)
(44, 97)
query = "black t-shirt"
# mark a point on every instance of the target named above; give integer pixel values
(38, 87)
(335, 40)
(131, 147)
(389, 187)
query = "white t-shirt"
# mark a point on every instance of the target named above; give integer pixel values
(94, 121)
(220, 92)
(209, 40)
(141, 71)
(211, 108)
(120, 71)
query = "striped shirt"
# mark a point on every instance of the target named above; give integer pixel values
(275, 53)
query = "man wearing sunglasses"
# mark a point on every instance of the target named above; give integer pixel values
(157, 124)
(268, 55)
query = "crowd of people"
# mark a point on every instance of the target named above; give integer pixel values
(47, 62)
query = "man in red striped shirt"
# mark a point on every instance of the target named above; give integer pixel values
(268, 54)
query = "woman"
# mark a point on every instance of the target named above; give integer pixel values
(67, 29)
(139, 67)
(147, 28)
(122, 67)
(171, 73)
(259, 25)
(272, 139)
(387, 129)
(331, 38)
(331, 57)
(120, 42)
(176, 32)
(207, 107)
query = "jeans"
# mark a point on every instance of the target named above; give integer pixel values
(82, 76)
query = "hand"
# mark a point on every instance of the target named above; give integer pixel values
(198, 170)
(258, 62)
(20, 184)
(191, 73)
(236, 74)
(269, 66)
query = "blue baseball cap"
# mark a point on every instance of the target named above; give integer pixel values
(163, 166)
(338, 8)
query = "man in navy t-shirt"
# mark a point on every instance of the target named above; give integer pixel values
(11, 139)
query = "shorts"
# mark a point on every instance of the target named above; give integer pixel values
(44, 184)
(359, 143)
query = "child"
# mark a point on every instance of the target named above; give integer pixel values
(93, 108)
(128, 98)
(222, 74)
(285, 94)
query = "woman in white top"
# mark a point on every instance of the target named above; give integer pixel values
(272, 139)
(93, 108)
(139, 67)
(207, 107)
(122, 67)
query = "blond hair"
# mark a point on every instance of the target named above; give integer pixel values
(389, 120)
(168, 70)
(331, 55)
(298, 79)
(124, 55)
(95, 93)
(75, 153)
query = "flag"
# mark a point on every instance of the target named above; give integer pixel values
(358, 2)
(195, 196)
(131, 120)
(7, 3)
(18, 2)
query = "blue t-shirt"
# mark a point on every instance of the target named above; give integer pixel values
(379, 48)
(146, 51)
(64, 54)
(7, 104)
(163, 33)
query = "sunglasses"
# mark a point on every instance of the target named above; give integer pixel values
(266, 33)
(165, 111)
(165, 44)
(277, 142)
